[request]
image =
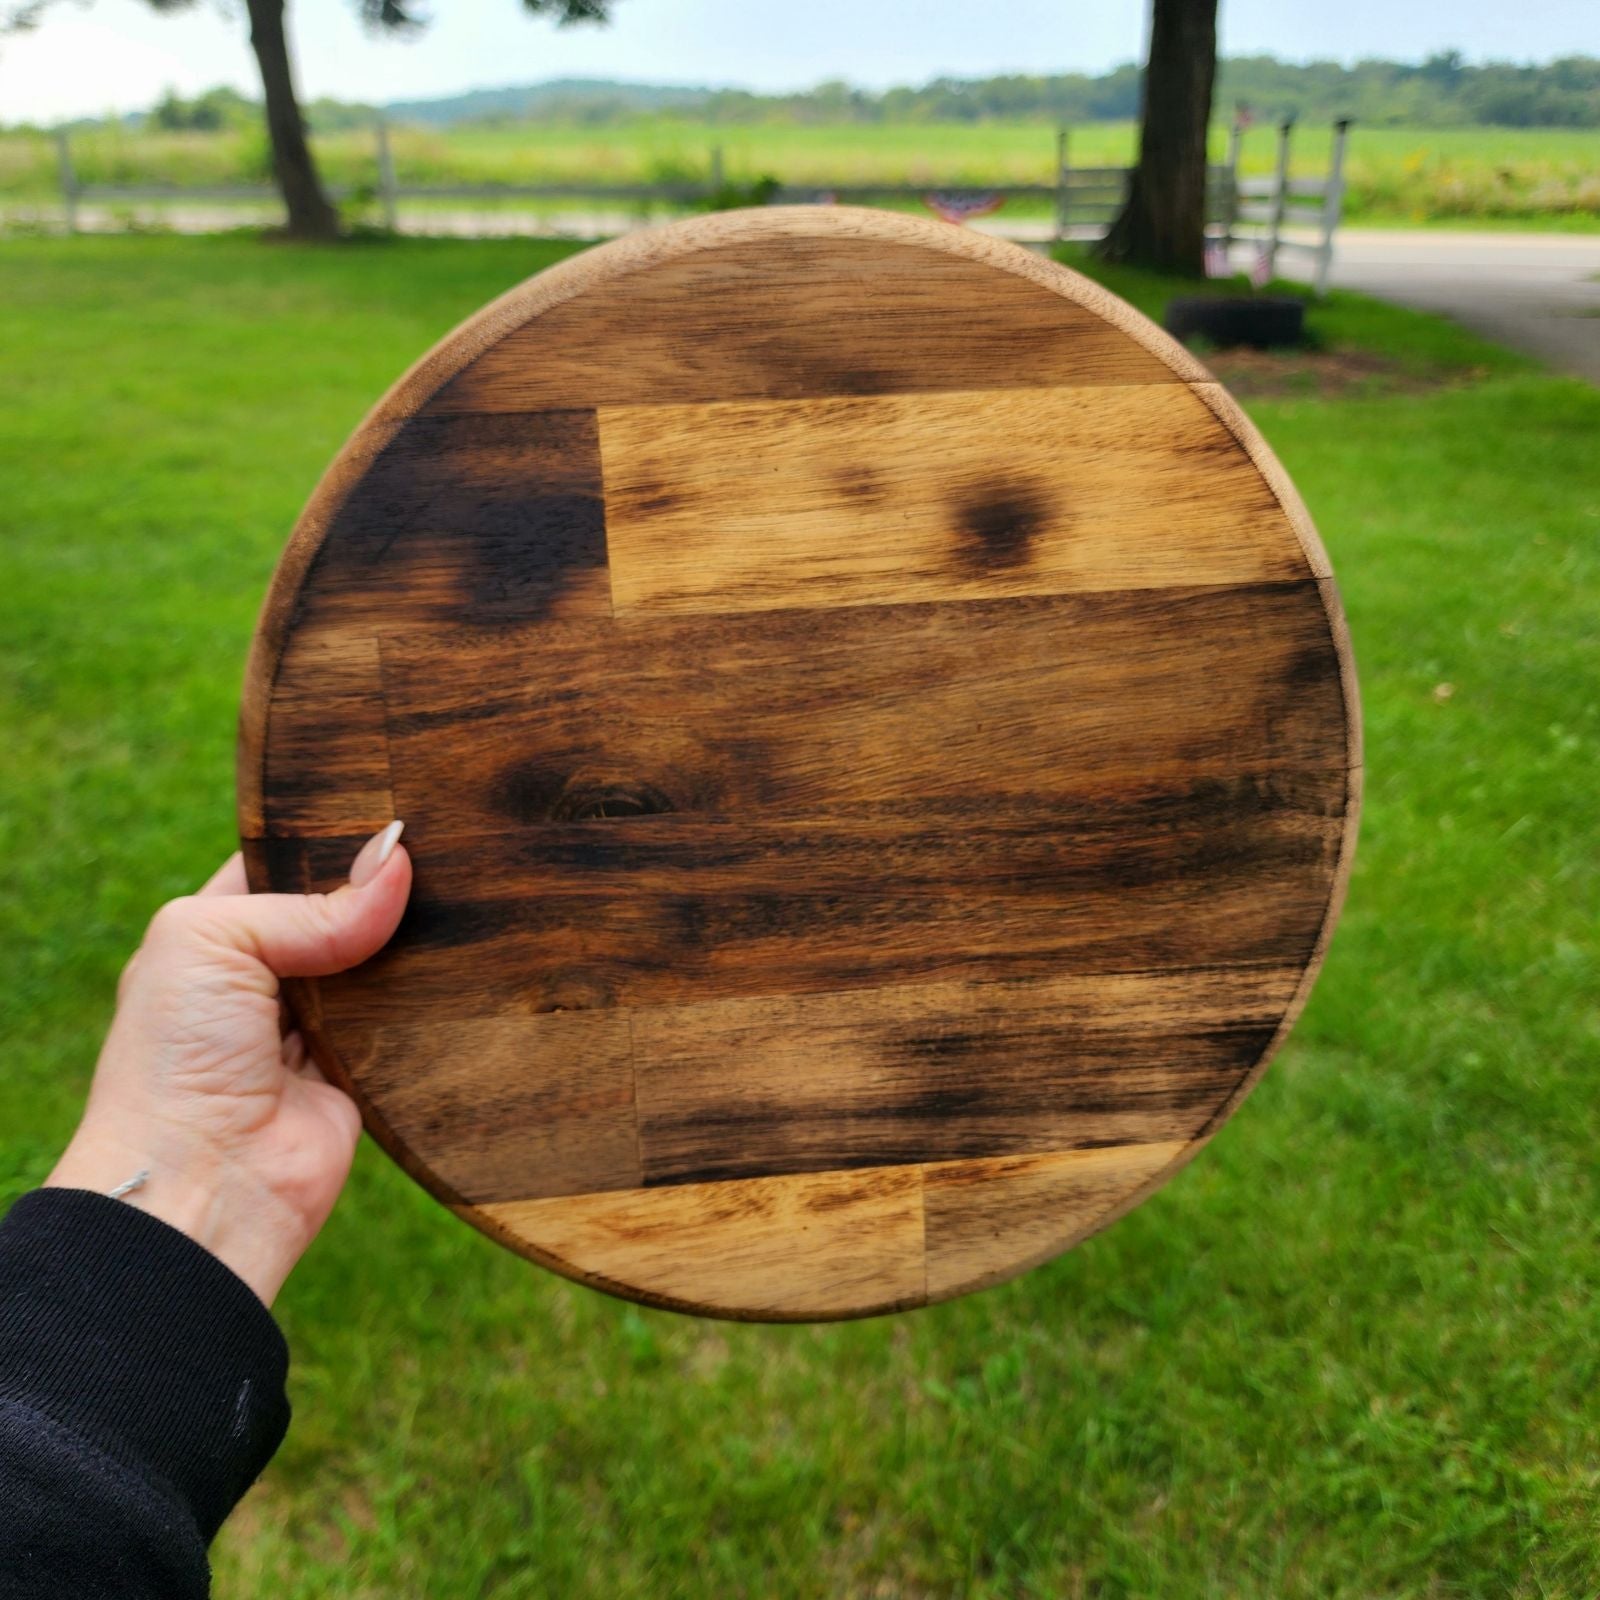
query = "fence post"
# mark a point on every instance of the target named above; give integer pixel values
(1230, 200)
(69, 180)
(1280, 195)
(386, 184)
(1332, 203)
(1063, 199)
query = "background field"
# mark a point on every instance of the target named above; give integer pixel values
(1396, 175)
(1352, 1351)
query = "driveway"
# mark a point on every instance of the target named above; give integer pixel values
(1537, 292)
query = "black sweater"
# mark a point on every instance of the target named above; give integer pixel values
(141, 1392)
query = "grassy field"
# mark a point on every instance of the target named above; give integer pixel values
(1353, 1351)
(1396, 175)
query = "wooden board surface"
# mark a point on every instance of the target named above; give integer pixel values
(878, 744)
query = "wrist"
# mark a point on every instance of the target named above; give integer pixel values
(196, 1191)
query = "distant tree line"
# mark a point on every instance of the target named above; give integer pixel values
(1443, 91)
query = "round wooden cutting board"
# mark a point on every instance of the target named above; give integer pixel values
(878, 742)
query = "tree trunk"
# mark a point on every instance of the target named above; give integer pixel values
(1162, 224)
(311, 215)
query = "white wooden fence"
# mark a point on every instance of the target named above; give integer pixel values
(1082, 200)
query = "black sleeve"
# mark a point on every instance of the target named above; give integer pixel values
(141, 1393)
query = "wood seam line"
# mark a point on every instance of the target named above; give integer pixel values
(879, 396)
(1203, 969)
(644, 616)
(605, 520)
(921, 1168)
(805, 400)
(922, 1225)
(383, 699)
(633, 1095)
(1248, 437)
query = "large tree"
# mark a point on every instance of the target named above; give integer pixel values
(311, 214)
(1162, 223)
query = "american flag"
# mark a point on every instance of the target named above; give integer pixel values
(959, 208)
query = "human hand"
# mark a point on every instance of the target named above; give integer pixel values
(203, 1085)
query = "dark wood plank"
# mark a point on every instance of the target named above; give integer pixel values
(943, 1072)
(795, 317)
(644, 911)
(510, 1107)
(1015, 706)
(327, 750)
(495, 520)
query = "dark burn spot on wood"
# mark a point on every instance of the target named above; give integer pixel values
(570, 991)
(996, 526)
(593, 802)
(527, 791)
(859, 483)
(654, 502)
(530, 792)
(480, 519)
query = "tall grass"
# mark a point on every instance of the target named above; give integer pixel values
(1394, 174)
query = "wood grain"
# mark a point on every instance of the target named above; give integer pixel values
(1021, 706)
(887, 499)
(788, 317)
(785, 1249)
(878, 742)
(986, 1221)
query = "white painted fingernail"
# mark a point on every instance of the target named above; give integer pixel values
(369, 861)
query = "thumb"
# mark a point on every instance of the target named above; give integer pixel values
(312, 935)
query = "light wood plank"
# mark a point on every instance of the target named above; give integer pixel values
(894, 498)
(989, 1220)
(790, 1249)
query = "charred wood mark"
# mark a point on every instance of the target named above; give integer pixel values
(528, 792)
(996, 527)
(859, 484)
(595, 802)
(477, 519)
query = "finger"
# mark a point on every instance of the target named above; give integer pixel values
(309, 935)
(229, 878)
(294, 1052)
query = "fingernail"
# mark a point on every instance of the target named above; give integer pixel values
(369, 862)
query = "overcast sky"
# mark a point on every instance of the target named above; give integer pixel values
(118, 55)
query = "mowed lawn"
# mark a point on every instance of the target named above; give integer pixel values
(1353, 1350)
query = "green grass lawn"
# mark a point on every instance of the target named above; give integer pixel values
(1548, 177)
(1354, 1350)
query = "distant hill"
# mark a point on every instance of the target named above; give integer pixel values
(1443, 91)
(561, 99)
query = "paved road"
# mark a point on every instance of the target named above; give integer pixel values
(1537, 292)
